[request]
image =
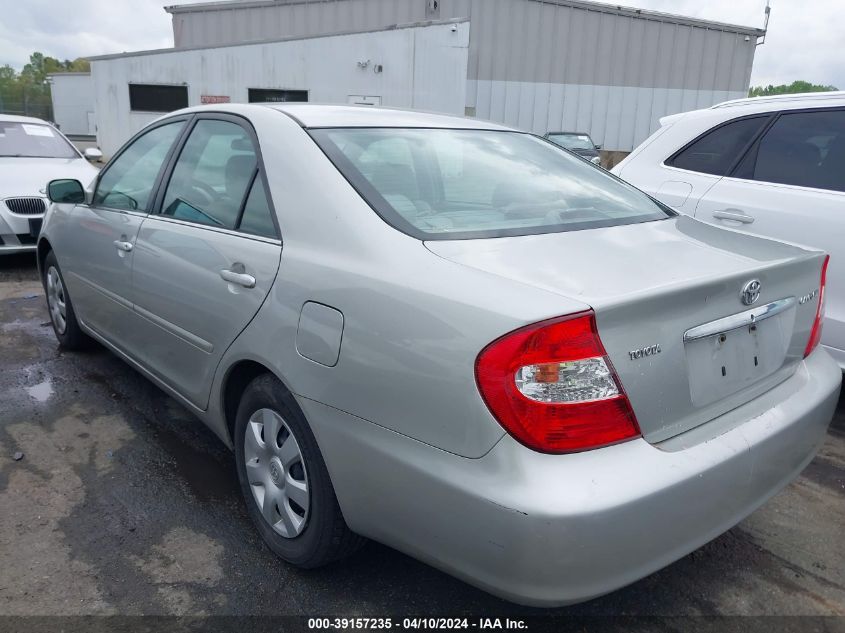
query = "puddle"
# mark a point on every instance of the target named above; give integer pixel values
(41, 392)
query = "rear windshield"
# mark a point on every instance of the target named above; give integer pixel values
(572, 141)
(33, 140)
(463, 184)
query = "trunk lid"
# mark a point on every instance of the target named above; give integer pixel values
(650, 285)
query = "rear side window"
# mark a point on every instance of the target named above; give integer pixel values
(717, 151)
(211, 178)
(257, 217)
(467, 184)
(803, 148)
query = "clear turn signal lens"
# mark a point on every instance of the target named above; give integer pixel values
(571, 381)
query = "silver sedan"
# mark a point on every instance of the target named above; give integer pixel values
(448, 336)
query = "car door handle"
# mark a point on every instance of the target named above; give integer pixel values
(733, 214)
(124, 246)
(239, 278)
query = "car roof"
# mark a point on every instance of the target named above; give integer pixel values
(572, 133)
(14, 118)
(311, 115)
(760, 105)
(804, 99)
(316, 116)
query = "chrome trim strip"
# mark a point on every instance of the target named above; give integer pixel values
(736, 321)
(190, 338)
(106, 293)
(215, 229)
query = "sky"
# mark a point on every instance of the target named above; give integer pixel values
(804, 41)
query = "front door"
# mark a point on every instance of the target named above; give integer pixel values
(791, 186)
(100, 245)
(206, 261)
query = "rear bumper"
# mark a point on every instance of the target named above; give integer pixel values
(837, 355)
(551, 530)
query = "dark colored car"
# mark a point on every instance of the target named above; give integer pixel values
(578, 142)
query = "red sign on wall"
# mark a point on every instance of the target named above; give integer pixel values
(215, 99)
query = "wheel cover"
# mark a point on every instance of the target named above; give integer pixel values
(276, 473)
(56, 300)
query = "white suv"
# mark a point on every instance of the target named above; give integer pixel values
(774, 166)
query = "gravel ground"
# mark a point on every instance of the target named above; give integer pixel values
(122, 503)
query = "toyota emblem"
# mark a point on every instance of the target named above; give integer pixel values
(751, 292)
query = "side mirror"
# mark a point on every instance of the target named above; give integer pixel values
(598, 146)
(93, 154)
(66, 191)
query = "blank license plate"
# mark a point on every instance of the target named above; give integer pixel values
(725, 363)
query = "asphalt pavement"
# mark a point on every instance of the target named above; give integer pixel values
(120, 502)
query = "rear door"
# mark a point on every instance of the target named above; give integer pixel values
(689, 174)
(205, 261)
(790, 185)
(98, 248)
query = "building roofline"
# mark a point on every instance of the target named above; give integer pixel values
(588, 5)
(69, 74)
(164, 51)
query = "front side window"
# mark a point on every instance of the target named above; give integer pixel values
(803, 148)
(464, 184)
(33, 140)
(128, 182)
(717, 151)
(211, 178)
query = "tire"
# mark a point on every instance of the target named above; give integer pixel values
(313, 532)
(60, 306)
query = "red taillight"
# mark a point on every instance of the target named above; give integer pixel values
(816, 332)
(553, 388)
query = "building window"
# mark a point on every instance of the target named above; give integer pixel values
(264, 95)
(157, 98)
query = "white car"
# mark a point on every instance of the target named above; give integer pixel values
(32, 153)
(774, 166)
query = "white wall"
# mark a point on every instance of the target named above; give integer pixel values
(73, 102)
(425, 67)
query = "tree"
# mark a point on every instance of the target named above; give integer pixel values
(28, 91)
(793, 88)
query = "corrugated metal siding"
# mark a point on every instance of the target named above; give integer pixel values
(524, 40)
(535, 64)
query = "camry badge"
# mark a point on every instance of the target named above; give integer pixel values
(751, 292)
(808, 297)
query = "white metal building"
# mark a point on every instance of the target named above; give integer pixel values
(539, 65)
(415, 66)
(73, 103)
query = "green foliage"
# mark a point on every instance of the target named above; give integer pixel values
(793, 88)
(27, 92)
